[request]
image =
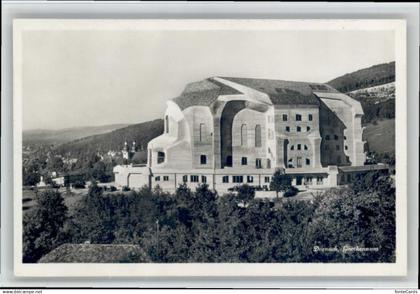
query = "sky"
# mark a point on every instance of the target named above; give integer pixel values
(89, 78)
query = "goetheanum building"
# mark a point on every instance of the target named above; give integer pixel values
(229, 131)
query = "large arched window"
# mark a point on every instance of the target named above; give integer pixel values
(202, 130)
(166, 124)
(257, 136)
(243, 135)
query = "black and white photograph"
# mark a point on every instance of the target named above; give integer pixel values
(209, 147)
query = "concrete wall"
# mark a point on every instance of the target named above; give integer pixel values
(336, 131)
(175, 143)
(246, 121)
(342, 117)
(287, 139)
(200, 118)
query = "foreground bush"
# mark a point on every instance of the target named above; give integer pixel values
(200, 226)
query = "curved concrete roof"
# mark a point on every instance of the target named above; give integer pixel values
(206, 92)
(285, 92)
(203, 93)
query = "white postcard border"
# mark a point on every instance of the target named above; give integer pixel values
(220, 269)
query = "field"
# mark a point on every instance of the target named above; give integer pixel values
(381, 136)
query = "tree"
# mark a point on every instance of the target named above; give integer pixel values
(280, 182)
(42, 225)
(100, 172)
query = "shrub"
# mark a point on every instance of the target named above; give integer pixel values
(79, 184)
(291, 191)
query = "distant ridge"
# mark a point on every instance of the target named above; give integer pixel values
(367, 77)
(142, 133)
(66, 135)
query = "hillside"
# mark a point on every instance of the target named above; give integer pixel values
(380, 136)
(364, 78)
(65, 135)
(141, 133)
(374, 87)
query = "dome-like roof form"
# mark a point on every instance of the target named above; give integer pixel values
(206, 92)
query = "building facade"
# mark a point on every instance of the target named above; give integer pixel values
(229, 131)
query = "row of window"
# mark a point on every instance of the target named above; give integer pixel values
(299, 147)
(337, 147)
(249, 179)
(240, 179)
(225, 179)
(298, 129)
(327, 137)
(298, 162)
(244, 161)
(193, 179)
(298, 117)
(165, 178)
(309, 180)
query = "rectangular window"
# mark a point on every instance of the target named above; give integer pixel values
(185, 178)
(327, 137)
(345, 138)
(244, 161)
(299, 162)
(346, 147)
(284, 117)
(166, 178)
(194, 179)
(268, 163)
(203, 179)
(160, 157)
(250, 179)
(308, 181)
(287, 129)
(319, 180)
(337, 147)
(310, 117)
(298, 117)
(258, 163)
(308, 161)
(203, 159)
(308, 129)
(225, 179)
(299, 146)
(157, 179)
(335, 137)
(298, 129)
(267, 179)
(238, 179)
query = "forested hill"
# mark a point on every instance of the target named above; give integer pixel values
(142, 133)
(364, 78)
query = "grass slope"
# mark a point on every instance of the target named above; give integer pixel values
(381, 136)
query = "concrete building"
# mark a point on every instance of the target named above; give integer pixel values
(229, 131)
